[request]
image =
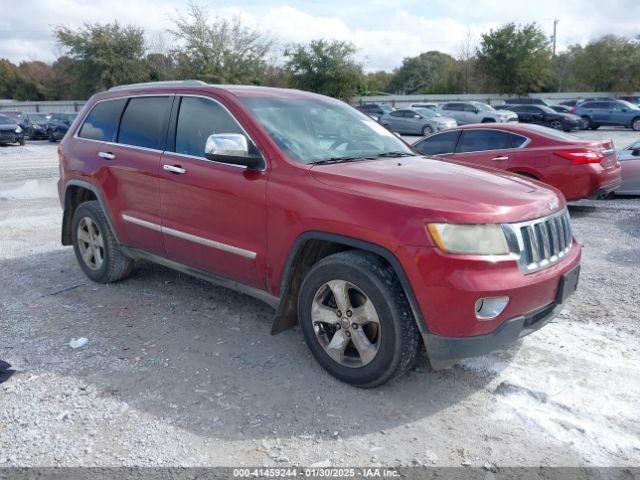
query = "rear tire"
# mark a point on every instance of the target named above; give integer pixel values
(586, 123)
(556, 124)
(383, 344)
(488, 120)
(50, 136)
(95, 245)
(635, 124)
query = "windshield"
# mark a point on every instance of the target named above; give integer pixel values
(425, 112)
(628, 105)
(483, 106)
(386, 108)
(5, 119)
(311, 130)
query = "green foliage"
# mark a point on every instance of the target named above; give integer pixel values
(326, 67)
(378, 82)
(222, 51)
(609, 64)
(429, 72)
(516, 59)
(13, 85)
(105, 55)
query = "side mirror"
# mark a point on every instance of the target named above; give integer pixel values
(475, 110)
(232, 148)
(417, 116)
(625, 110)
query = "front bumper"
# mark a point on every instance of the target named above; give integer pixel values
(444, 351)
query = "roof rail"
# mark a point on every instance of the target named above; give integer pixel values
(158, 84)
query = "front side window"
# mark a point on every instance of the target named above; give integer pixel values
(481, 140)
(144, 122)
(316, 129)
(197, 119)
(439, 144)
(102, 123)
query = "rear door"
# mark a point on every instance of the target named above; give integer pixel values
(132, 166)
(456, 111)
(213, 214)
(491, 148)
(397, 121)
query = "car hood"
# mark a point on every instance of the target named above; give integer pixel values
(506, 113)
(8, 126)
(443, 119)
(447, 191)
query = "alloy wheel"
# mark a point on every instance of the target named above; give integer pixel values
(636, 125)
(90, 243)
(346, 323)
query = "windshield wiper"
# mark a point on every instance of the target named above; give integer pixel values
(327, 161)
(396, 154)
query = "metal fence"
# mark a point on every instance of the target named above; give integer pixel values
(490, 98)
(44, 107)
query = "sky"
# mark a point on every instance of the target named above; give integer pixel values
(383, 31)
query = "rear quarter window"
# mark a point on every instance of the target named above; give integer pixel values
(102, 122)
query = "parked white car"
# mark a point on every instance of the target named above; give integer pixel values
(476, 112)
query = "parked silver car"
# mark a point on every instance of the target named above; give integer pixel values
(630, 160)
(416, 121)
(476, 112)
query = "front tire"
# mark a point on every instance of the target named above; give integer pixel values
(427, 130)
(50, 136)
(635, 124)
(356, 319)
(586, 123)
(95, 246)
(556, 124)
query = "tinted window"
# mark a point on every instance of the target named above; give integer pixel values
(144, 122)
(480, 140)
(102, 123)
(397, 113)
(470, 108)
(439, 144)
(456, 107)
(198, 118)
(5, 119)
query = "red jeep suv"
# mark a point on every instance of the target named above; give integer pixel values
(300, 200)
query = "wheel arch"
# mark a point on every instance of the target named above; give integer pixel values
(312, 246)
(75, 193)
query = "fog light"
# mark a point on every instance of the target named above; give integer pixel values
(488, 308)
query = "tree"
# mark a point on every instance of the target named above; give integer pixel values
(516, 59)
(429, 72)
(608, 64)
(13, 85)
(222, 51)
(106, 55)
(378, 82)
(467, 63)
(326, 67)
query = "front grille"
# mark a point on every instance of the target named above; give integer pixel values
(542, 242)
(9, 137)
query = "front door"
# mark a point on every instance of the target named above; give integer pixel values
(213, 214)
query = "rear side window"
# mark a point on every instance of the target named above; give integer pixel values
(198, 118)
(144, 122)
(456, 107)
(102, 122)
(439, 144)
(481, 140)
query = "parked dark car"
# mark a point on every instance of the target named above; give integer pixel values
(35, 125)
(58, 125)
(10, 131)
(631, 99)
(610, 113)
(526, 101)
(17, 116)
(546, 116)
(375, 110)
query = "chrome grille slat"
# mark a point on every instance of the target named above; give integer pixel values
(542, 242)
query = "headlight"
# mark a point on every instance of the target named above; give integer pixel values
(469, 239)
(18, 129)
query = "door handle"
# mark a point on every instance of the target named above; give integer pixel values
(106, 155)
(174, 169)
(500, 159)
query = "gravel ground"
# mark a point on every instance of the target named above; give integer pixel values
(179, 372)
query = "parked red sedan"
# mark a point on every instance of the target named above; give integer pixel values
(578, 168)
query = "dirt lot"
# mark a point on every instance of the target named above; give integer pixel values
(179, 372)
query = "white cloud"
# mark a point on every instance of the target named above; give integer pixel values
(383, 31)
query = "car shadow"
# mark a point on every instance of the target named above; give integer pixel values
(199, 356)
